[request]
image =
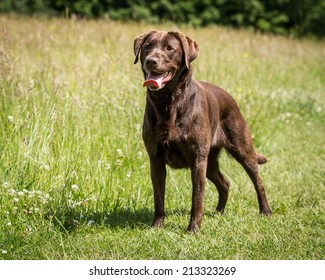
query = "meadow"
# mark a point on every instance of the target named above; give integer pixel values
(74, 174)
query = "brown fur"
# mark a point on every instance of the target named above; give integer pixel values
(187, 123)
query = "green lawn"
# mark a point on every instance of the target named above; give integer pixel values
(74, 174)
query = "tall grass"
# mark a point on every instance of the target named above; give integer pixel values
(74, 175)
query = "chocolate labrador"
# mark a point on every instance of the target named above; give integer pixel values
(187, 123)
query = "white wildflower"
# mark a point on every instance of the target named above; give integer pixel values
(20, 193)
(4, 252)
(139, 155)
(74, 174)
(45, 167)
(138, 126)
(10, 119)
(12, 192)
(74, 187)
(15, 200)
(119, 153)
(31, 194)
(119, 162)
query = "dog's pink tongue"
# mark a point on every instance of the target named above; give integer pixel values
(153, 83)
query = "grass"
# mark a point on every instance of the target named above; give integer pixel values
(74, 174)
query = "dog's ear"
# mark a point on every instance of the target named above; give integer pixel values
(190, 48)
(138, 42)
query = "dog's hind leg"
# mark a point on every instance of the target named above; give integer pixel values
(251, 167)
(241, 148)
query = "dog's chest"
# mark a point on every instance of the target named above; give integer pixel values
(171, 130)
(173, 139)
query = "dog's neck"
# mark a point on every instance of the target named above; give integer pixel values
(170, 105)
(172, 93)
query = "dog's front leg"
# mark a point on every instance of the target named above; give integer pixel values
(158, 178)
(198, 171)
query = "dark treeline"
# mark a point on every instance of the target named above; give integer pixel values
(293, 17)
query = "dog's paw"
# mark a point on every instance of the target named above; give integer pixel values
(193, 228)
(158, 223)
(266, 212)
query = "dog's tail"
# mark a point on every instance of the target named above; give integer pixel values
(261, 159)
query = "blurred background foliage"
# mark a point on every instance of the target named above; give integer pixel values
(288, 17)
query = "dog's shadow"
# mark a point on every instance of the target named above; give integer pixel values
(69, 220)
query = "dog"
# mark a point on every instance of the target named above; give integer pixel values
(187, 123)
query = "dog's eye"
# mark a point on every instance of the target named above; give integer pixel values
(147, 46)
(169, 48)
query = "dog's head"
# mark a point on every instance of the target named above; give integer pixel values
(163, 55)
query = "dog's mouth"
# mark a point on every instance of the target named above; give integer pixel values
(156, 81)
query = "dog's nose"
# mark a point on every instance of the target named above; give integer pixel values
(151, 61)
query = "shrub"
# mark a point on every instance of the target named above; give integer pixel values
(298, 17)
